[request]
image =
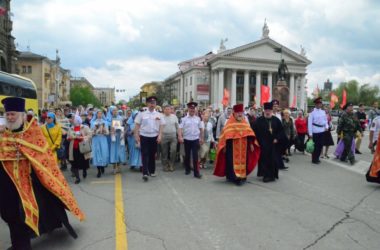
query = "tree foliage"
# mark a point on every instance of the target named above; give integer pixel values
(83, 96)
(357, 93)
(163, 95)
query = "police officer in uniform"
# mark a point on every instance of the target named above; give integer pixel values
(276, 109)
(347, 128)
(148, 132)
(317, 125)
(190, 133)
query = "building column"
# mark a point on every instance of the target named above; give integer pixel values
(233, 88)
(258, 89)
(215, 88)
(270, 85)
(181, 91)
(246, 88)
(303, 93)
(220, 88)
(291, 90)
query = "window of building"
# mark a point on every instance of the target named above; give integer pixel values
(24, 69)
(29, 69)
(186, 82)
(185, 96)
(191, 80)
(191, 95)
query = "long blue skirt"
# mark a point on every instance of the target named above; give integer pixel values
(118, 153)
(100, 151)
(134, 153)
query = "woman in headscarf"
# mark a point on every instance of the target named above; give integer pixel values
(100, 147)
(53, 133)
(78, 133)
(118, 154)
(134, 149)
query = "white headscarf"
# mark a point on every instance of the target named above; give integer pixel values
(77, 120)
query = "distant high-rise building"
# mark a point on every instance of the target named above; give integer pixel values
(8, 53)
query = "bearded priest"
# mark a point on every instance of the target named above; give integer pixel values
(238, 150)
(33, 192)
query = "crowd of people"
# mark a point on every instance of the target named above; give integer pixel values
(234, 140)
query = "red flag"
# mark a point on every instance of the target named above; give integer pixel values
(344, 98)
(294, 103)
(226, 97)
(265, 94)
(3, 11)
(334, 99)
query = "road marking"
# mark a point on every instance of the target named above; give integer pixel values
(102, 182)
(120, 224)
(360, 166)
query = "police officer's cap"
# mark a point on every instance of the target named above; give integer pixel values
(318, 100)
(275, 102)
(192, 105)
(151, 99)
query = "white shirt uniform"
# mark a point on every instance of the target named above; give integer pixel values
(278, 115)
(191, 126)
(375, 127)
(149, 123)
(317, 122)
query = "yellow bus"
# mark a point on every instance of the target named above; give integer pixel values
(15, 85)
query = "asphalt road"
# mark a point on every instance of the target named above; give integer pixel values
(328, 206)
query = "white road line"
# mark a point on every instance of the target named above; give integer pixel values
(360, 166)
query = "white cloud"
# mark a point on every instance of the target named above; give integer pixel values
(129, 74)
(131, 42)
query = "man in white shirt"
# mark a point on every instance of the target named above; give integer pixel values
(169, 139)
(374, 133)
(317, 125)
(190, 133)
(148, 132)
(276, 109)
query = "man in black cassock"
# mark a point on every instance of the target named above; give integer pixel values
(272, 140)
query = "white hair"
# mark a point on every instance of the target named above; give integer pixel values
(16, 124)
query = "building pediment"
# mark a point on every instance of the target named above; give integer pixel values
(264, 49)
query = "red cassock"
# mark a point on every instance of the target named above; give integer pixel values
(243, 162)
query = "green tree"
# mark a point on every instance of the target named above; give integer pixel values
(365, 93)
(83, 96)
(162, 95)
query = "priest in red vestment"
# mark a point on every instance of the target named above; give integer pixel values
(238, 150)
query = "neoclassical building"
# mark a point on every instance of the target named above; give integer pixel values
(242, 71)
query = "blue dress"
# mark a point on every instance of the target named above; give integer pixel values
(118, 153)
(134, 153)
(100, 145)
(100, 151)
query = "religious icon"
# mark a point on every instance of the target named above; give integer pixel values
(116, 124)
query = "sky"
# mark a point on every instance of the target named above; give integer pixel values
(125, 43)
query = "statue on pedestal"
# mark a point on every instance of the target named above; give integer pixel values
(265, 30)
(222, 47)
(303, 51)
(282, 70)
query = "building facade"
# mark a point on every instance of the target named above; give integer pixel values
(52, 81)
(8, 53)
(242, 71)
(106, 96)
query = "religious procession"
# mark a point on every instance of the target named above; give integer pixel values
(36, 151)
